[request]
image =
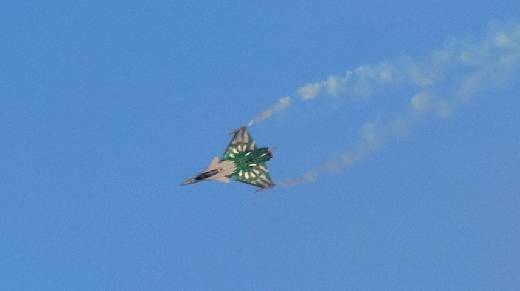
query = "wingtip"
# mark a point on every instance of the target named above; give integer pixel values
(237, 130)
(266, 188)
(188, 182)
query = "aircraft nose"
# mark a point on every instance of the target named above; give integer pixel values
(189, 181)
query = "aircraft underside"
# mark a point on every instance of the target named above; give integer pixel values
(242, 161)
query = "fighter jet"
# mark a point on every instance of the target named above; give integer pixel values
(242, 161)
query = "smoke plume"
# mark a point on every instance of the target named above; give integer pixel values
(449, 78)
(280, 105)
(443, 81)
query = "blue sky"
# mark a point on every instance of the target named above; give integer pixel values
(108, 105)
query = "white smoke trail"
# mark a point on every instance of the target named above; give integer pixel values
(444, 82)
(438, 69)
(373, 136)
(280, 105)
(499, 48)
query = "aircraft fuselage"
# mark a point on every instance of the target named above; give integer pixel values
(221, 170)
(242, 161)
